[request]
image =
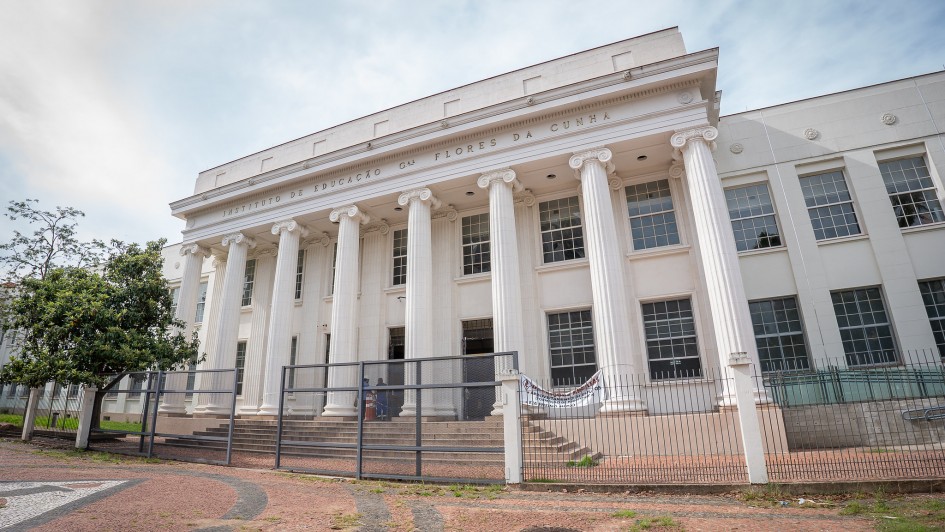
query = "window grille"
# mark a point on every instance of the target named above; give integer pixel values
(911, 192)
(400, 257)
(752, 215)
(652, 218)
(562, 236)
(571, 342)
(249, 279)
(864, 326)
(829, 205)
(671, 344)
(476, 245)
(779, 334)
(933, 295)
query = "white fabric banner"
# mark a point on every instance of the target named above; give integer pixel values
(589, 393)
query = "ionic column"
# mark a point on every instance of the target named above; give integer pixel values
(280, 314)
(254, 366)
(344, 311)
(729, 307)
(212, 333)
(186, 310)
(223, 355)
(609, 314)
(507, 324)
(419, 312)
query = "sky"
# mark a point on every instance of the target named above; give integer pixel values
(114, 106)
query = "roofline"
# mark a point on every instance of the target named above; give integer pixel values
(438, 94)
(835, 93)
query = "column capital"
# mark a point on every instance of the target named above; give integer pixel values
(677, 171)
(448, 212)
(525, 197)
(505, 175)
(603, 155)
(706, 134)
(319, 238)
(351, 211)
(261, 253)
(289, 225)
(378, 226)
(238, 238)
(195, 249)
(421, 194)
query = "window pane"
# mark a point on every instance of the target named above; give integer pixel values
(248, 280)
(864, 326)
(752, 216)
(779, 334)
(671, 343)
(830, 205)
(400, 257)
(933, 295)
(652, 220)
(562, 237)
(571, 342)
(476, 249)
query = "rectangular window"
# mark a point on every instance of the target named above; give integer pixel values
(137, 383)
(571, 341)
(293, 354)
(933, 295)
(652, 219)
(779, 334)
(400, 257)
(73, 391)
(191, 378)
(864, 326)
(829, 205)
(562, 236)
(298, 274)
(671, 345)
(911, 192)
(752, 216)
(240, 365)
(201, 302)
(248, 279)
(334, 262)
(476, 249)
(175, 300)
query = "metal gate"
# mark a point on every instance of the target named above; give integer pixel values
(152, 414)
(347, 426)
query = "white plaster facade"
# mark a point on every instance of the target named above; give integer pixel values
(586, 126)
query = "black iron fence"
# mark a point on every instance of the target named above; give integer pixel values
(179, 415)
(419, 419)
(829, 423)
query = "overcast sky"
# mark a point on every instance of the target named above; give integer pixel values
(113, 107)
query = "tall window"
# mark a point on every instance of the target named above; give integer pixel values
(400, 257)
(137, 382)
(293, 356)
(562, 236)
(191, 378)
(779, 334)
(175, 300)
(334, 263)
(571, 340)
(829, 205)
(911, 192)
(248, 279)
(752, 217)
(300, 267)
(671, 344)
(201, 302)
(476, 249)
(652, 219)
(240, 365)
(933, 295)
(864, 326)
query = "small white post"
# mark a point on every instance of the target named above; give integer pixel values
(29, 417)
(512, 426)
(748, 418)
(85, 418)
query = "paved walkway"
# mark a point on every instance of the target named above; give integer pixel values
(45, 488)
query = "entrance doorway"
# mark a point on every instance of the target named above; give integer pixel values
(395, 372)
(478, 339)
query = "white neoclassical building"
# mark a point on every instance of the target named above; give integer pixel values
(591, 212)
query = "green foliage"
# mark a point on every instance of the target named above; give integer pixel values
(78, 326)
(625, 514)
(587, 461)
(648, 523)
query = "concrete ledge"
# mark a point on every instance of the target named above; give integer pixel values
(791, 488)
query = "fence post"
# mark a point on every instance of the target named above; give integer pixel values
(86, 409)
(512, 421)
(748, 418)
(29, 416)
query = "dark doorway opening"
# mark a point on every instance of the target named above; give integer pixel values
(395, 372)
(478, 339)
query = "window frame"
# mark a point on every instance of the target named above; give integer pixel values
(779, 335)
(677, 218)
(300, 275)
(240, 366)
(249, 283)
(889, 323)
(551, 348)
(485, 266)
(175, 299)
(851, 202)
(773, 214)
(394, 275)
(932, 187)
(938, 333)
(565, 195)
(201, 306)
(699, 357)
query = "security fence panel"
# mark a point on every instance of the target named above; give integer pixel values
(58, 412)
(398, 419)
(841, 422)
(181, 415)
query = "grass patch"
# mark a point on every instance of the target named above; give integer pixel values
(344, 521)
(587, 461)
(902, 514)
(542, 480)
(69, 423)
(854, 508)
(650, 523)
(625, 514)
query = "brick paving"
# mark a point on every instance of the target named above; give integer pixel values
(164, 495)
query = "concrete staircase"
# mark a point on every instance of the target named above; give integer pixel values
(259, 436)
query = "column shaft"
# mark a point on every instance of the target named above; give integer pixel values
(610, 317)
(254, 367)
(280, 317)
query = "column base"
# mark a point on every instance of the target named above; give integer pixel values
(726, 399)
(626, 405)
(172, 410)
(268, 410)
(340, 411)
(247, 411)
(212, 411)
(425, 419)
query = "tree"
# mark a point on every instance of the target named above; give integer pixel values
(52, 243)
(79, 326)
